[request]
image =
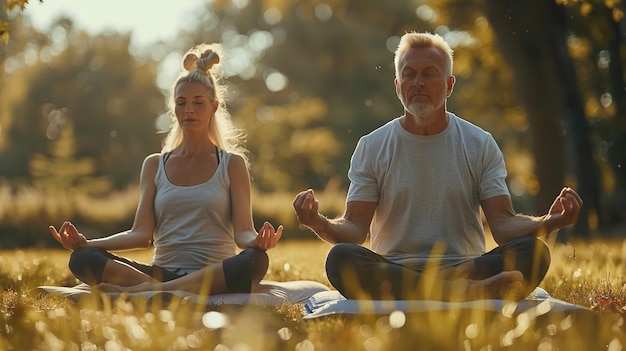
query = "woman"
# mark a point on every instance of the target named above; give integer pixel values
(194, 205)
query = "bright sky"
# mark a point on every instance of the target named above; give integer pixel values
(153, 20)
(149, 20)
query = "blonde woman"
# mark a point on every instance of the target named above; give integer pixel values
(194, 205)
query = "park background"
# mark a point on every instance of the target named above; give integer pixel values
(79, 111)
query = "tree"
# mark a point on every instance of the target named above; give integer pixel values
(110, 98)
(5, 26)
(68, 172)
(596, 46)
(531, 36)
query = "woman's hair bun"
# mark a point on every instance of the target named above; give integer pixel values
(189, 62)
(207, 59)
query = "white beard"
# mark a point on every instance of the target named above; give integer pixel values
(422, 112)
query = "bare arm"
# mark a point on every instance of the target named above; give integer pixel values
(506, 225)
(351, 227)
(243, 224)
(141, 233)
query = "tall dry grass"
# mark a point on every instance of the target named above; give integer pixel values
(580, 271)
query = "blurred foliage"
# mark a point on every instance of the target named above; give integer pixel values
(90, 84)
(307, 79)
(70, 173)
(4, 24)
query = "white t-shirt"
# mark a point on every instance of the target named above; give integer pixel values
(193, 223)
(428, 190)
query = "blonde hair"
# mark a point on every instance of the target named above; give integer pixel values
(200, 64)
(423, 40)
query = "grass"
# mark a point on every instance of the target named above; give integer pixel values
(580, 273)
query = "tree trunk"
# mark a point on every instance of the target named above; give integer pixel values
(530, 34)
(617, 151)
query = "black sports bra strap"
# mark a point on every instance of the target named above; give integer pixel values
(166, 156)
(218, 154)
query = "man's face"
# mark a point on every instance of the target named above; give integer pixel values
(423, 84)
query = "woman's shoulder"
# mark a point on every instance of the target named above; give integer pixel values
(235, 160)
(151, 162)
(236, 165)
(153, 158)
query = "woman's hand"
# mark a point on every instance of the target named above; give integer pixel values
(68, 236)
(267, 237)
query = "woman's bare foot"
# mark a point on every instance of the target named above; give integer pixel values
(107, 287)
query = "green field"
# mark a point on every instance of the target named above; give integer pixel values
(580, 273)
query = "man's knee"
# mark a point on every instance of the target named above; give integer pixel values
(541, 255)
(340, 255)
(532, 247)
(345, 261)
(531, 256)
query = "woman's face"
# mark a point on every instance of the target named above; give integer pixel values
(194, 105)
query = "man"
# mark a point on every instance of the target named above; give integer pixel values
(417, 185)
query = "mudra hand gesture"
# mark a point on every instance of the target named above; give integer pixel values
(68, 236)
(267, 237)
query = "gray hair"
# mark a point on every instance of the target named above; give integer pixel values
(422, 40)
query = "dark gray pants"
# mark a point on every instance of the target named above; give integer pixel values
(358, 272)
(87, 264)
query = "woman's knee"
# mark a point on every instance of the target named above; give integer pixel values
(83, 257)
(254, 257)
(248, 267)
(87, 264)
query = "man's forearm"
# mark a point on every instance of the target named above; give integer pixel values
(520, 226)
(338, 230)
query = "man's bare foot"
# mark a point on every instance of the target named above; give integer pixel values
(507, 285)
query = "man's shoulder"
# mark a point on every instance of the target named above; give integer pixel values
(464, 123)
(469, 128)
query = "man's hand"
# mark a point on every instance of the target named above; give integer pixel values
(306, 207)
(68, 236)
(566, 207)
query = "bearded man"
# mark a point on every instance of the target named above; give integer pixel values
(417, 188)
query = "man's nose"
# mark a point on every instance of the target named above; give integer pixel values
(418, 81)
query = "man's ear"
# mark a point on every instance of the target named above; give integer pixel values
(397, 84)
(451, 81)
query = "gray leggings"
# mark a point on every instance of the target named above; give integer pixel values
(355, 270)
(87, 264)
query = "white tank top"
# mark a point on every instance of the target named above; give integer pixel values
(193, 223)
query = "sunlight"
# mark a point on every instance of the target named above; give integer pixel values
(397, 319)
(323, 12)
(215, 320)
